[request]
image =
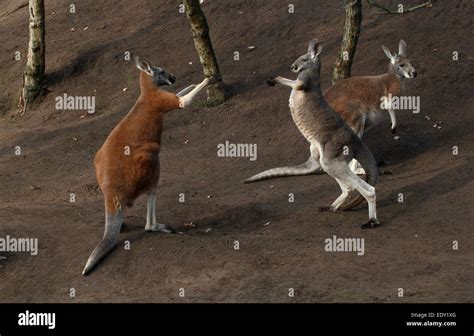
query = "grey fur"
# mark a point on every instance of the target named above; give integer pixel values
(113, 224)
(328, 135)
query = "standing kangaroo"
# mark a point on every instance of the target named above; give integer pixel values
(127, 165)
(358, 102)
(333, 144)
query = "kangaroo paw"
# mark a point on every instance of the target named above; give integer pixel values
(325, 208)
(160, 228)
(371, 224)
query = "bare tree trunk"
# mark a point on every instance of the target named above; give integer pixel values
(34, 71)
(216, 92)
(342, 68)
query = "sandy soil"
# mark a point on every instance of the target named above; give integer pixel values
(411, 250)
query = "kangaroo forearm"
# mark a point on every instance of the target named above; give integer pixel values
(393, 119)
(187, 99)
(185, 90)
(294, 84)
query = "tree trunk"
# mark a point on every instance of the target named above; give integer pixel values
(342, 68)
(34, 71)
(216, 92)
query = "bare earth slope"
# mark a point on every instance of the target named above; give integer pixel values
(413, 249)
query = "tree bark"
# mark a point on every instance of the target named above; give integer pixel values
(33, 75)
(342, 68)
(216, 92)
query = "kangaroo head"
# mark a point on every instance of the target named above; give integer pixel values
(400, 65)
(159, 76)
(310, 60)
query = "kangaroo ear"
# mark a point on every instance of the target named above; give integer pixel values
(319, 48)
(314, 48)
(402, 48)
(143, 66)
(387, 52)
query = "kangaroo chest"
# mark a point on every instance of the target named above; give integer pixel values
(303, 115)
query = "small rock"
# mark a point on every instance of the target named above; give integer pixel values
(251, 47)
(73, 30)
(208, 230)
(427, 117)
(396, 138)
(75, 139)
(124, 89)
(267, 223)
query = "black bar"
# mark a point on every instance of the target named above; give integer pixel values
(336, 317)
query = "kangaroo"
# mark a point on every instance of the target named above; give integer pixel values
(127, 165)
(358, 101)
(333, 144)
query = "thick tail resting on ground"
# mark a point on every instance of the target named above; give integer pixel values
(309, 167)
(113, 223)
(367, 161)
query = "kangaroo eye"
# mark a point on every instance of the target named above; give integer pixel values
(402, 65)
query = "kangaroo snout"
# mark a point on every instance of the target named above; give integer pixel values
(294, 68)
(414, 73)
(172, 79)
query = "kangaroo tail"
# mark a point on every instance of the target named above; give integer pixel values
(113, 223)
(367, 161)
(309, 167)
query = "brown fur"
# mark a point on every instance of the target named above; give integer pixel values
(122, 178)
(354, 96)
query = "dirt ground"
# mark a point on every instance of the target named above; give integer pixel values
(413, 249)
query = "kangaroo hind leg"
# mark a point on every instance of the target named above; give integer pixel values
(366, 190)
(151, 224)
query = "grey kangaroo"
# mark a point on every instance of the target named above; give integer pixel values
(357, 100)
(333, 144)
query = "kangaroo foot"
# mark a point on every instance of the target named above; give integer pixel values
(372, 223)
(325, 208)
(160, 228)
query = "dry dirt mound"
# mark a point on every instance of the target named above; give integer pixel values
(412, 250)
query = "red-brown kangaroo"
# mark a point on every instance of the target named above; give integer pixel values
(127, 165)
